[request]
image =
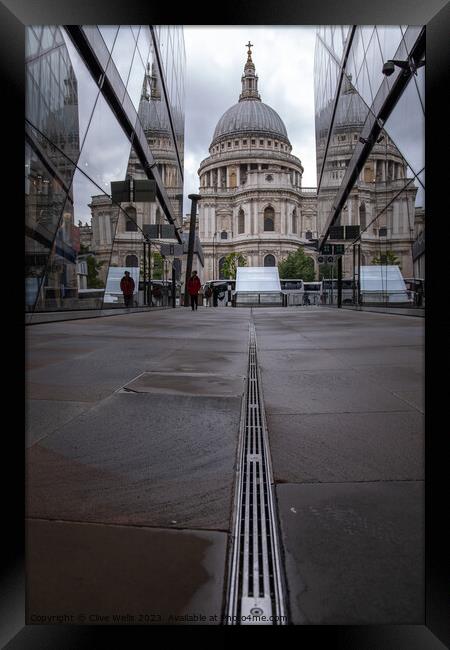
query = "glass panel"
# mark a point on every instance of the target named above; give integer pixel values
(406, 126)
(358, 52)
(106, 148)
(52, 96)
(374, 65)
(136, 80)
(109, 33)
(123, 51)
(31, 41)
(87, 89)
(45, 196)
(48, 38)
(366, 35)
(59, 287)
(144, 41)
(154, 119)
(135, 30)
(363, 85)
(389, 38)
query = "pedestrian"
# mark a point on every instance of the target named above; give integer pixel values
(127, 288)
(193, 288)
(208, 294)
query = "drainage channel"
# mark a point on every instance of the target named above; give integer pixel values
(255, 590)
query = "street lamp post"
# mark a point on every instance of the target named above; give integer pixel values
(214, 255)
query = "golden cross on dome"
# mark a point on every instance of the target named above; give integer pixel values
(249, 45)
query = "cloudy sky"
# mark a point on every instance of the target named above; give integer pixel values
(284, 62)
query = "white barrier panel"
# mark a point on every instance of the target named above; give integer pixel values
(257, 279)
(379, 280)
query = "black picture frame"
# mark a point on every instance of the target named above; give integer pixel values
(435, 14)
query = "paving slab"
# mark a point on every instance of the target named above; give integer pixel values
(304, 359)
(90, 574)
(380, 355)
(156, 460)
(415, 397)
(326, 391)
(201, 358)
(185, 383)
(354, 552)
(45, 416)
(347, 447)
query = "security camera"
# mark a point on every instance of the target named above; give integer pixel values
(388, 68)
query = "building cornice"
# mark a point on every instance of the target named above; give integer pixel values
(248, 156)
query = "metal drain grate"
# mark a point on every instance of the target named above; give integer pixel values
(255, 594)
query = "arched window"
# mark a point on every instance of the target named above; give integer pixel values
(269, 219)
(224, 234)
(130, 219)
(241, 222)
(362, 216)
(131, 261)
(294, 221)
(221, 263)
(269, 260)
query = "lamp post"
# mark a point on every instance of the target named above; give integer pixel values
(214, 255)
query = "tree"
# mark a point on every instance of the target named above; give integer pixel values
(93, 281)
(158, 266)
(230, 264)
(297, 265)
(388, 258)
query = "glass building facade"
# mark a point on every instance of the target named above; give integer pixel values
(370, 144)
(103, 104)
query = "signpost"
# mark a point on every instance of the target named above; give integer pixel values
(139, 191)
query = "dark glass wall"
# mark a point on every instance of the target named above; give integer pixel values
(78, 241)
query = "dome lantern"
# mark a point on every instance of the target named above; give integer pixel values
(249, 79)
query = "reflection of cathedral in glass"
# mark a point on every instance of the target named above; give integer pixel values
(381, 194)
(372, 204)
(252, 202)
(129, 223)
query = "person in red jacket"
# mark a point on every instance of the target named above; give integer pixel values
(193, 288)
(127, 288)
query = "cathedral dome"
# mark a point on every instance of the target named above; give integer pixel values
(351, 112)
(250, 117)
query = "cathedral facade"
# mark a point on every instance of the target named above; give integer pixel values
(252, 200)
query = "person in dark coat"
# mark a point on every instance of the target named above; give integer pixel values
(127, 288)
(193, 288)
